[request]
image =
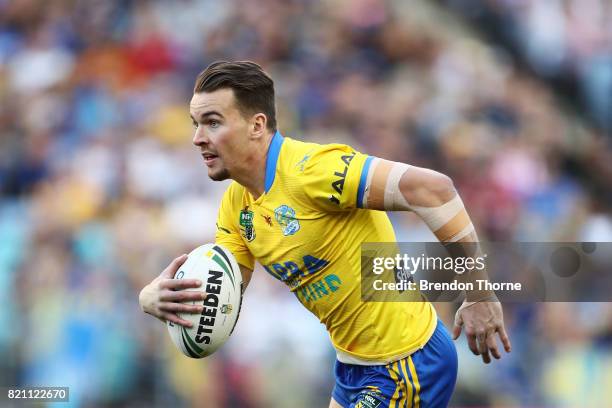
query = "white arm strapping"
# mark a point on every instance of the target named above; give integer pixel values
(445, 215)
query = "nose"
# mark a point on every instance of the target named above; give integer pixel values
(199, 137)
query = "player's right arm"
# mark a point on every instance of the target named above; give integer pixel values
(163, 297)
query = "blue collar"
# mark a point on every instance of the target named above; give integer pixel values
(272, 159)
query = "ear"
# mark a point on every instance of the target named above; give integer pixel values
(258, 125)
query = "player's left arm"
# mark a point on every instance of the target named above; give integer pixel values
(393, 186)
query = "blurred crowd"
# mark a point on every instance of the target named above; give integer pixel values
(567, 41)
(101, 186)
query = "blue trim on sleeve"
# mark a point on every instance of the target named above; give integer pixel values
(272, 159)
(363, 180)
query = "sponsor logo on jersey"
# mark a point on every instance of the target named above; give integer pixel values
(246, 224)
(338, 183)
(326, 286)
(402, 275)
(285, 216)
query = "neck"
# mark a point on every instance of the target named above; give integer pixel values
(253, 174)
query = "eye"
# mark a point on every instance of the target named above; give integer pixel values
(194, 124)
(213, 124)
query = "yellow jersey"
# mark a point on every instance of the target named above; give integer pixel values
(306, 230)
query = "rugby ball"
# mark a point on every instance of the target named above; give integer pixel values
(221, 279)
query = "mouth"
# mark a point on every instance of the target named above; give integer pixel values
(209, 158)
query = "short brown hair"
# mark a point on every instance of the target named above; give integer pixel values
(253, 88)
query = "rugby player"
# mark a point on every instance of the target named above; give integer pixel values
(302, 210)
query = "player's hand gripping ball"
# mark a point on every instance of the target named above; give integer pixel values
(221, 279)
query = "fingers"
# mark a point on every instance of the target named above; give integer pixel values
(181, 295)
(489, 345)
(478, 343)
(470, 334)
(457, 326)
(480, 322)
(483, 349)
(485, 344)
(180, 308)
(171, 317)
(456, 331)
(492, 345)
(471, 339)
(176, 263)
(486, 357)
(178, 284)
(504, 338)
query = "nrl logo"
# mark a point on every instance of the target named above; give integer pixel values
(285, 216)
(226, 309)
(246, 224)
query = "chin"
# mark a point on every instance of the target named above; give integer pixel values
(219, 175)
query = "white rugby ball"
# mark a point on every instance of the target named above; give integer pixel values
(221, 279)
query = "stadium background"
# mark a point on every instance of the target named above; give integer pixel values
(101, 186)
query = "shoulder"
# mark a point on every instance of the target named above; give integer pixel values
(329, 175)
(308, 157)
(328, 159)
(295, 154)
(233, 193)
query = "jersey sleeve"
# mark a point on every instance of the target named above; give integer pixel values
(335, 177)
(228, 232)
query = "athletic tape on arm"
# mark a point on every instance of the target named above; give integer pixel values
(449, 221)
